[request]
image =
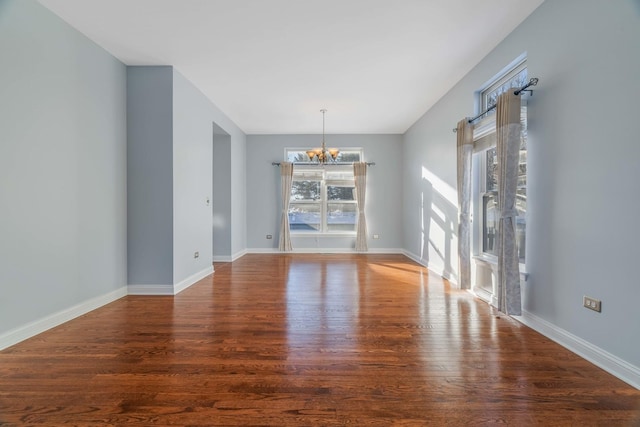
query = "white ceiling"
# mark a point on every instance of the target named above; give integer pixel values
(271, 65)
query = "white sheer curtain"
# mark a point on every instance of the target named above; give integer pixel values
(508, 130)
(465, 151)
(360, 179)
(286, 176)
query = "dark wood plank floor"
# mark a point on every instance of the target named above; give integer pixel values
(306, 340)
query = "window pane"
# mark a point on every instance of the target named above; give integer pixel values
(348, 156)
(339, 173)
(519, 79)
(301, 174)
(514, 79)
(522, 169)
(490, 99)
(492, 170)
(342, 216)
(521, 222)
(336, 192)
(297, 156)
(489, 223)
(305, 190)
(304, 216)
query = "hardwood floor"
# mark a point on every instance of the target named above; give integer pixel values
(306, 340)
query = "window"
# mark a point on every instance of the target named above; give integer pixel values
(299, 155)
(484, 137)
(323, 199)
(515, 78)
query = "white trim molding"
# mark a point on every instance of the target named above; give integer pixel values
(599, 357)
(276, 251)
(439, 270)
(238, 254)
(36, 327)
(168, 289)
(150, 289)
(226, 258)
(192, 280)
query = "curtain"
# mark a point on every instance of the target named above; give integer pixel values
(286, 176)
(508, 130)
(360, 179)
(465, 151)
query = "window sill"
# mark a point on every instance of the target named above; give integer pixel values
(493, 262)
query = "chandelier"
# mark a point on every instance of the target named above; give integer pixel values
(323, 154)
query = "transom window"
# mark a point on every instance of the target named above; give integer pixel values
(515, 78)
(323, 198)
(299, 155)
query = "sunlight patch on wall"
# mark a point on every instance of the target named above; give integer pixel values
(447, 191)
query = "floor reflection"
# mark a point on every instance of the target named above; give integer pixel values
(322, 300)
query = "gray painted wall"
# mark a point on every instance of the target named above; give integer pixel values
(192, 179)
(384, 189)
(221, 194)
(62, 166)
(582, 165)
(150, 196)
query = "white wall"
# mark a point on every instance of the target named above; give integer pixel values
(192, 179)
(62, 168)
(238, 194)
(384, 190)
(198, 119)
(583, 152)
(221, 195)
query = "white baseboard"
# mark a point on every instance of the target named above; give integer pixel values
(36, 327)
(225, 258)
(150, 289)
(599, 357)
(194, 278)
(439, 270)
(389, 251)
(265, 251)
(415, 258)
(325, 251)
(238, 255)
(170, 289)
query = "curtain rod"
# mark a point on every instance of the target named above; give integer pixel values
(532, 82)
(322, 164)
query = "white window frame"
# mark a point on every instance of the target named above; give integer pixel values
(326, 181)
(485, 139)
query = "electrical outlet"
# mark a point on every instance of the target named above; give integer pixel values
(376, 236)
(592, 303)
(269, 237)
(196, 254)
